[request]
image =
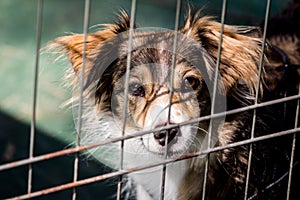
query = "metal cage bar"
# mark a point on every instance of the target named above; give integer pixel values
(176, 27)
(86, 20)
(293, 149)
(126, 91)
(78, 148)
(167, 161)
(35, 89)
(261, 60)
(215, 83)
(85, 147)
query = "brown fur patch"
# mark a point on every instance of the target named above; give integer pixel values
(239, 55)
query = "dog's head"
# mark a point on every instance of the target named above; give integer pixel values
(159, 95)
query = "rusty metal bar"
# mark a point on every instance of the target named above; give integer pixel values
(81, 87)
(124, 117)
(214, 97)
(293, 149)
(35, 88)
(118, 139)
(43, 157)
(261, 60)
(176, 27)
(138, 168)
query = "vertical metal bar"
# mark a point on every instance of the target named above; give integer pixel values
(293, 149)
(35, 87)
(81, 85)
(214, 97)
(164, 169)
(131, 29)
(261, 60)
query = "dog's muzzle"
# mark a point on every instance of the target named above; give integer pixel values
(166, 135)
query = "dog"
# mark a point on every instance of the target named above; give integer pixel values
(170, 96)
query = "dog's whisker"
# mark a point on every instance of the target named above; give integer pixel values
(199, 128)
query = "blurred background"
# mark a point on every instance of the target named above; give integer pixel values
(55, 127)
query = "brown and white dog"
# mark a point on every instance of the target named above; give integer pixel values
(148, 106)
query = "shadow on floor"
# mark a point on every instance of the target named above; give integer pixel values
(14, 143)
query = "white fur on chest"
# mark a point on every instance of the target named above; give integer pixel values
(148, 182)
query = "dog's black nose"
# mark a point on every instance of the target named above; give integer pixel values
(161, 136)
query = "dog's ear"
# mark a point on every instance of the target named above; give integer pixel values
(240, 50)
(73, 45)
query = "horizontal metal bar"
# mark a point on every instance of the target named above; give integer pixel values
(43, 157)
(118, 139)
(163, 162)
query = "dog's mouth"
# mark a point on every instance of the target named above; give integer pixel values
(166, 137)
(168, 151)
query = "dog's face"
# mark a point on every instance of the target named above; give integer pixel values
(152, 101)
(149, 101)
(150, 83)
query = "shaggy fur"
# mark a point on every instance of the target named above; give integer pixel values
(238, 70)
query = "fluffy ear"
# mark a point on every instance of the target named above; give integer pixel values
(240, 50)
(73, 45)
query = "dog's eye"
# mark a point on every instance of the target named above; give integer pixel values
(190, 82)
(136, 89)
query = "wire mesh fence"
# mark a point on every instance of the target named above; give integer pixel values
(122, 170)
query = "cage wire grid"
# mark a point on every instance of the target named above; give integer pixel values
(121, 172)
